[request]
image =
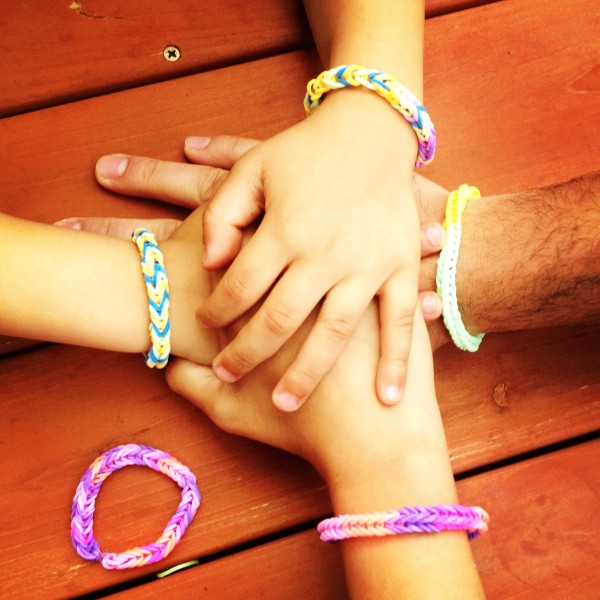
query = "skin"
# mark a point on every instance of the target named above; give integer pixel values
(312, 245)
(527, 260)
(65, 295)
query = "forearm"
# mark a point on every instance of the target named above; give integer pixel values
(531, 260)
(85, 289)
(386, 35)
(404, 462)
(381, 34)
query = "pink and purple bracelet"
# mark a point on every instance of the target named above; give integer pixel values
(82, 514)
(410, 519)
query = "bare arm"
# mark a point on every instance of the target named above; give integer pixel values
(382, 34)
(85, 289)
(372, 457)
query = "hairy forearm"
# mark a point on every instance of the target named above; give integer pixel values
(531, 260)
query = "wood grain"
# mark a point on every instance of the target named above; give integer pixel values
(513, 112)
(538, 545)
(93, 47)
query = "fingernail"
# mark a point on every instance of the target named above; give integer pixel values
(433, 236)
(69, 224)
(195, 142)
(112, 166)
(286, 401)
(223, 374)
(429, 305)
(392, 394)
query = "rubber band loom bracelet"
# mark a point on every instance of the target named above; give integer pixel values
(410, 519)
(157, 286)
(386, 86)
(446, 269)
(82, 513)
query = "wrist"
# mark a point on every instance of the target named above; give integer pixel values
(373, 121)
(410, 478)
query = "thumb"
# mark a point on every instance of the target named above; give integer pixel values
(220, 151)
(237, 203)
(195, 382)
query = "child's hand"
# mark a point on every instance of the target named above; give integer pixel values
(344, 432)
(340, 225)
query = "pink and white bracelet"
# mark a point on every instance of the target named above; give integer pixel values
(410, 519)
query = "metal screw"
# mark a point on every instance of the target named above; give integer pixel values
(172, 53)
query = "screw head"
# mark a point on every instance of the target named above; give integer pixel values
(172, 53)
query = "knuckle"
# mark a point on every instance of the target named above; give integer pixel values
(238, 360)
(235, 287)
(402, 320)
(278, 320)
(306, 378)
(207, 185)
(146, 171)
(338, 326)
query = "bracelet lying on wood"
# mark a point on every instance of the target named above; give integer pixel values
(84, 502)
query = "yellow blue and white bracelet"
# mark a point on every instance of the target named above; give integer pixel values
(157, 286)
(446, 269)
(386, 86)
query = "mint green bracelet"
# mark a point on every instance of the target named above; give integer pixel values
(446, 269)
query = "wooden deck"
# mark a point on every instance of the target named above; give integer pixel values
(515, 90)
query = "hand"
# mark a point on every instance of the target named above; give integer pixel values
(340, 226)
(191, 185)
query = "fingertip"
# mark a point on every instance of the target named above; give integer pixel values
(391, 394)
(69, 223)
(286, 401)
(111, 167)
(194, 143)
(431, 305)
(433, 238)
(222, 373)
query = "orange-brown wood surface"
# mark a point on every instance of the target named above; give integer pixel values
(61, 51)
(513, 112)
(524, 559)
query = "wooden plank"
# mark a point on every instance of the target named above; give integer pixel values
(484, 144)
(62, 405)
(538, 544)
(60, 51)
(509, 108)
(519, 392)
(57, 52)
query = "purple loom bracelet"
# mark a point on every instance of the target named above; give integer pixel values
(82, 521)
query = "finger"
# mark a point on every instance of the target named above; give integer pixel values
(178, 183)
(397, 303)
(121, 228)
(433, 238)
(337, 319)
(431, 305)
(275, 321)
(219, 151)
(197, 383)
(236, 205)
